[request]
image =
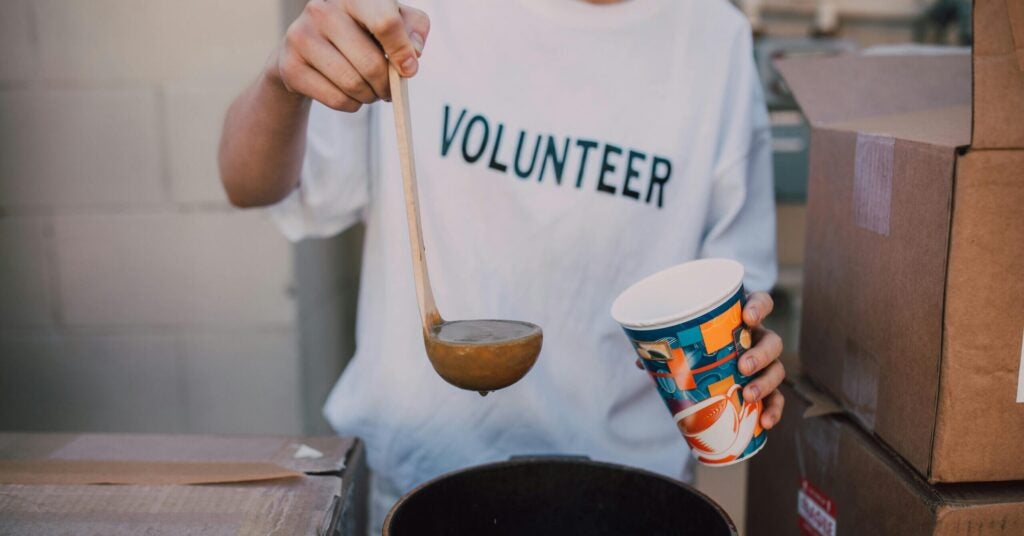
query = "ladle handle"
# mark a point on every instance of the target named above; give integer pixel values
(403, 127)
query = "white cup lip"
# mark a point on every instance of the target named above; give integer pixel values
(677, 294)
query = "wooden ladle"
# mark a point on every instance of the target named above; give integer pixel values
(479, 355)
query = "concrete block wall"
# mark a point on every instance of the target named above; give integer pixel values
(132, 297)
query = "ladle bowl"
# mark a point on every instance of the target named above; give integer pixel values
(483, 355)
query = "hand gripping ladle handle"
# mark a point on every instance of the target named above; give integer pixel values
(403, 128)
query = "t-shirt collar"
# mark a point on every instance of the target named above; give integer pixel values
(580, 13)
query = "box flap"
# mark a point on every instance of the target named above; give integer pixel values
(841, 92)
(998, 74)
(947, 127)
(303, 454)
(124, 472)
(819, 403)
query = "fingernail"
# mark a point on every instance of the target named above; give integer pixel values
(752, 393)
(753, 312)
(409, 66)
(417, 42)
(749, 364)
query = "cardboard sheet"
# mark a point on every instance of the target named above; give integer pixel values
(278, 450)
(78, 472)
(57, 473)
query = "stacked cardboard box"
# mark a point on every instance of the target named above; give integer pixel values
(824, 475)
(914, 277)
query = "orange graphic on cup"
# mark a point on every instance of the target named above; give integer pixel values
(674, 359)
(719, 428)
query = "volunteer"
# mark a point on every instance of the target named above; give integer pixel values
(565, 150)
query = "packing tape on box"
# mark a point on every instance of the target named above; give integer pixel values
(872, 182)
(83, 472)
(860, 383)
(817, 449)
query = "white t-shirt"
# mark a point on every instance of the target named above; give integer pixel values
(564, 151)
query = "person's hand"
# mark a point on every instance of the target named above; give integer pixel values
(763, 359)
(335, 51)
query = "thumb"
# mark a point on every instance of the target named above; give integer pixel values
(391, 26)
(417, 25)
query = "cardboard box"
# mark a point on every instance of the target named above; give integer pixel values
(57, 484)
(914, 270)
(823, 475)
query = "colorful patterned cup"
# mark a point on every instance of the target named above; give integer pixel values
(686, 325)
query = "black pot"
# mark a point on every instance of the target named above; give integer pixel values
(555, 495)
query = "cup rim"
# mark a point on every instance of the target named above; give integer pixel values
(715, 280)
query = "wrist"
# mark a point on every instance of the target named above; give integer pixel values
(271, 80)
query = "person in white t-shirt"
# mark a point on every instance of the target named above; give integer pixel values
(565, 150)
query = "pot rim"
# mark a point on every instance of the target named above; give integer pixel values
(516, 461)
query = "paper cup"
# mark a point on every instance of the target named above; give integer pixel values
(686, 325)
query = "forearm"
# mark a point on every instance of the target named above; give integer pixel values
(262, 143)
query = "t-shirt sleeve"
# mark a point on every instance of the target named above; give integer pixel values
(741, 217)
(334, 184)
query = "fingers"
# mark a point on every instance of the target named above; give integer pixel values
(334, 52)
(308, 64)
(766, 382)
(364, 53)
(759, 306)
(323, 57)
(360, 51)
(767, 349)
(773, 406)
(386, 23)
(300, 78)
